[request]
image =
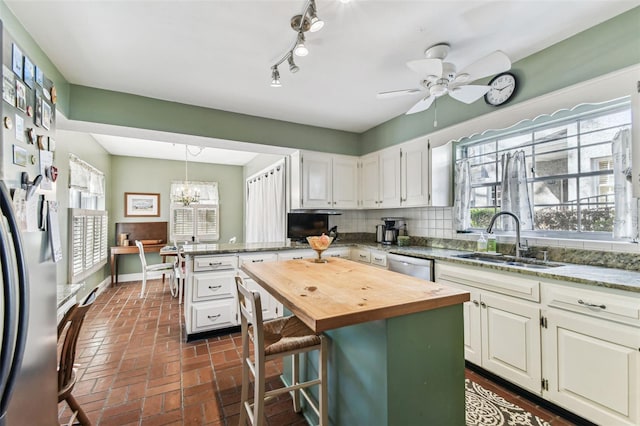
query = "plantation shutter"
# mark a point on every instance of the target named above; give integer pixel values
(88, 247)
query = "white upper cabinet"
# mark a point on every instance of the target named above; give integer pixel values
(324, 181)
(380, 179)
(440, 175)
(414, 174)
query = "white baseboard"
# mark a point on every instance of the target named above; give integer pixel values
(123, 278)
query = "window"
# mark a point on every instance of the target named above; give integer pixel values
(87, 242)
(569, 169)
(196, 221)
(88, 221)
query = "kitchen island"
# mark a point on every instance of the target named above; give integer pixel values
(396, 352)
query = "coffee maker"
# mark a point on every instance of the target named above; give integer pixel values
(391, 229)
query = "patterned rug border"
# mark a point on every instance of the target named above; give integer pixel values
(485, 408)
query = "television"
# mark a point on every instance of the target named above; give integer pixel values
(303, 225)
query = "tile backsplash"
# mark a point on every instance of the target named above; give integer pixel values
(437, 222)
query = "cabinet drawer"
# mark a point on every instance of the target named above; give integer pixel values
(257, 258)
(296, 254)
(508, 283)
(378, 258)
(214, 285)
(342, 252)
(213, 315)
(361, 255)
(214, 263)
(593, 303)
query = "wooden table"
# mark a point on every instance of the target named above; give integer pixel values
(119, 250)
(397, 350)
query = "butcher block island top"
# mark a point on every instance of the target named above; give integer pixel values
(341, 292)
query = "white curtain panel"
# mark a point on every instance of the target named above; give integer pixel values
(515, 191)
(624, 225)
(462, 201)
(265, 220)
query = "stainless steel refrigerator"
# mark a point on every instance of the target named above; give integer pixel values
(28, 378)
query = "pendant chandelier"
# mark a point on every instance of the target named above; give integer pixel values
(188, 194)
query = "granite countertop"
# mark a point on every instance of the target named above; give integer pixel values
(581, 274)
(67, 291)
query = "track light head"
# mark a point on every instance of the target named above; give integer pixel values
(292, 65)
(275, 77)
(301, 49)
(316, 23)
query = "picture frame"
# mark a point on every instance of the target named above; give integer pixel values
(17, 58)
(19, 156)
(29, 72)
(37, 118)
(46, 115)
(21, 96)
(8, 86)
(141, 204)
(39, 76)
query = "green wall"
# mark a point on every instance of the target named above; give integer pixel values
(134, 174)
(87, 149)
(607, 47)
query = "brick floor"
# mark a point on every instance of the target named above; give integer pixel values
(136, 369)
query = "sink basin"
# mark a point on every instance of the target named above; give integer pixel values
(528, 263)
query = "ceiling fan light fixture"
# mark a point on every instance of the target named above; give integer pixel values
(462, 78)
(275, 77)
(438, 90)
(292, 65)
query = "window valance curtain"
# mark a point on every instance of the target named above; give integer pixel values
(84, 177)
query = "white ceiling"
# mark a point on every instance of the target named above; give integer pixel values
(218, 53)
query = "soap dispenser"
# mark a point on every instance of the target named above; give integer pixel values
(491, 243)
(482, 243)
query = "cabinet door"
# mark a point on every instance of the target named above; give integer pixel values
(269, 304)
(472, 328)
(511, 340)
(316, 180)
(345, 182)
(592, 367)
(414, 177)
(389, 178)
(369, 177)
(440, 175)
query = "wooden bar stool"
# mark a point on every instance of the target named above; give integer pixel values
(277, 338)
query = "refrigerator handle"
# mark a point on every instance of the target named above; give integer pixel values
(22, 299)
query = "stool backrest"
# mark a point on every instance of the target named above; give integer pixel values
(72, 322)
(143, 259)
(250, 313)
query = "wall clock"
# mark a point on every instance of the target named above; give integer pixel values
(503, 87)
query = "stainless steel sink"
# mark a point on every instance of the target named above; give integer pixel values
(528, 263)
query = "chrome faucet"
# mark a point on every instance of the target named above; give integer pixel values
(517, 221)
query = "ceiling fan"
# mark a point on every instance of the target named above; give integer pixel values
(438, 78)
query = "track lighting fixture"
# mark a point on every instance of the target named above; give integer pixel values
(308, 20)
(292, 65)
(275, 77)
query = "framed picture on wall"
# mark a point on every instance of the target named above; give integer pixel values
(29, 72)
(141, 204)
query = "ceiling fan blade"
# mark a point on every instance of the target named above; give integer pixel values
(422, 104)
(425, 67)
(469, 93)
(493, 63)
(396, 93)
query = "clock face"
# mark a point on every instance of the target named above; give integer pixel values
(503, 86)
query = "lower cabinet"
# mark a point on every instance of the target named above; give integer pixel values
(576, 347)
(365, 255)
(501, 333)
(591, 358)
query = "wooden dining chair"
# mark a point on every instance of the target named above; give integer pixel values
(167, 266)
(69, 328)
(180, 274)
(272, 339)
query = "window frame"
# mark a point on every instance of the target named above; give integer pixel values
(530, 128)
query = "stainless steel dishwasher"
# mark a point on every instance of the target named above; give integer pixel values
(413, 266)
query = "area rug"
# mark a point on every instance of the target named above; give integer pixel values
(485, 408)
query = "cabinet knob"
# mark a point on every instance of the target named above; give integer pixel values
(475, 302)
(484, 305)
(329, 202)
